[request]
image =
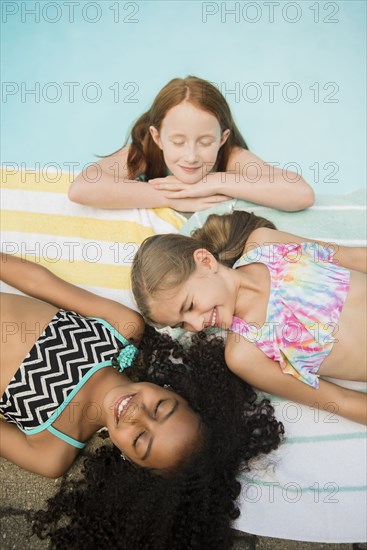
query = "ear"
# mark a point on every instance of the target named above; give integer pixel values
(155, 136)
(225, 136)
(205, 260)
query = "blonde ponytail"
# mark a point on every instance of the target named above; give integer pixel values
(225, 236)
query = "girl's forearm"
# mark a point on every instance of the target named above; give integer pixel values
(33, 279)
(26, 276)
(275, 192)
(107, 193)
(354, 407)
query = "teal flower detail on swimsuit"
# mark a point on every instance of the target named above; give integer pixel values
(126, 357)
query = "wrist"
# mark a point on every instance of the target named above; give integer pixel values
(224, 182)
(216, 180)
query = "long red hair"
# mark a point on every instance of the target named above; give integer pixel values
(145, 156)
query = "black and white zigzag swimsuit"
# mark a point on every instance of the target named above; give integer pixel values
(69, 351)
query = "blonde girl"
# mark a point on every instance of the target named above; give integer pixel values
(295, 310)
(188, 154)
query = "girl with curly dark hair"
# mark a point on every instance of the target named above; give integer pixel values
(66, 387)
(128, 508)
(196, 435)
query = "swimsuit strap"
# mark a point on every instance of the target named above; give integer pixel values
(239, 326)
(66, 438)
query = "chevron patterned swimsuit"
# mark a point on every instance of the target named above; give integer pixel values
(69, 351)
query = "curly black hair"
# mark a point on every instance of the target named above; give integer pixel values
(115, 504)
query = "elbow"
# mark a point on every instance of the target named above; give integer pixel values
(55, 470)
(76, 192)
(305, 197)
(308, 195)
(52, 474)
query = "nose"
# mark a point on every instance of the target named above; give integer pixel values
(191, 153)
(139, 413)
(193, 323)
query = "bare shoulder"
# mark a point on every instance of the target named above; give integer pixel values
(265, 235)
(242, 156)
(115, 163)
(126, 321)
(242, 356)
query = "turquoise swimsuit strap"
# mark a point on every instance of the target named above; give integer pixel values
(66, 438)
(48, 424)
(113, 331)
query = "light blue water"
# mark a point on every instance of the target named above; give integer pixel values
(292, 72)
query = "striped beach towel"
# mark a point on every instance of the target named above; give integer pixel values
(89, 247)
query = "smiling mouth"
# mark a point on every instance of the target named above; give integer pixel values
(121, 406)
(213, 320)
(214, 317)
(190, 168)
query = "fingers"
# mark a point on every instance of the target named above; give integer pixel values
(156, 182)
(167, 179)
(196, 204)
(178, 195)
(169, 187)
(211, 199)
(219, 198)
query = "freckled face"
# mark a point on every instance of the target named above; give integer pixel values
(190, 139)
(153, 426)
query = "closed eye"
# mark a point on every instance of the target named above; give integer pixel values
(156, 410)
(164, 418)
(138, 437)
(158, 405)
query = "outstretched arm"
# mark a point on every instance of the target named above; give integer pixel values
(350, 257)
(248, 177)
(38, 282)
(253, 366)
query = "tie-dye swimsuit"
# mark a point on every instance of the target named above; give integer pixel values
(307, 294)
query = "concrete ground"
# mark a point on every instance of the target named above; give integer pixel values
(23, 492)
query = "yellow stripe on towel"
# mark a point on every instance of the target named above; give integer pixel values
(45, 181)
(41, 181)
(70, 226)
(170, 216)
(88, 273)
